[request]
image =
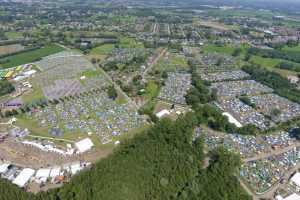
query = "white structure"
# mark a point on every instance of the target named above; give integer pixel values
(22, 179)
(293, 196)
(75, 168)
(162, 113)
(296, 179)
(84, 145)
(30, 72)
(4, 168)
(55, 171)
(42, 175)
(48, 148)
(232, 120)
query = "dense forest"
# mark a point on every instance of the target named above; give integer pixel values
(163, 162)
(222, 169)
(281, 85)
(6, 87)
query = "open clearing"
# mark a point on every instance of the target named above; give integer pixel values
(103, 49)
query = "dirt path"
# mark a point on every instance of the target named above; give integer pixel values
(162, 53)
(269, 194)
(27, 156)
(118, 88)
(272, 153)
(254, 196)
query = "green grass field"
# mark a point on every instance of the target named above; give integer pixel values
(271, 63)
(30, 56)
(152, 90)
(178, 60)
(103, 49)
(91, 73)
(36, 94)
(222, 49)
(265, 62)
(293, 49)
(12, 35)
(126, 42)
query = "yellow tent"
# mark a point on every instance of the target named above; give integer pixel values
(9, 74)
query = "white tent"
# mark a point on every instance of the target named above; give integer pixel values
(279, 197)
(23, 177)
(43, 173)
(84, 145)
(30, 72)
(55, 172)
(75, 168)
(4, 168)
(232, 120)
(293, 196)
(162, 113)
(296, 179)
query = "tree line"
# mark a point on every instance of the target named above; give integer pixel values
(6, 87)
(274, 53)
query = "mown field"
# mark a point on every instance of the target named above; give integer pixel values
(126, 42)
(12, 35)
(103, 49)
(30, 56)
(294, 49)
(218, 49)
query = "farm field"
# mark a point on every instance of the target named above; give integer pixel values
(30, 56)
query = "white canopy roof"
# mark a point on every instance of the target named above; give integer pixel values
(75, 168)
(296, 179)
(293, 197)
(232, 120)
(84, 145)
(23, 177)
(162, 113)
(55, 172)
(42, 173)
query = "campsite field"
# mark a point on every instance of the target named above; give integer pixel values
(30, 56)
